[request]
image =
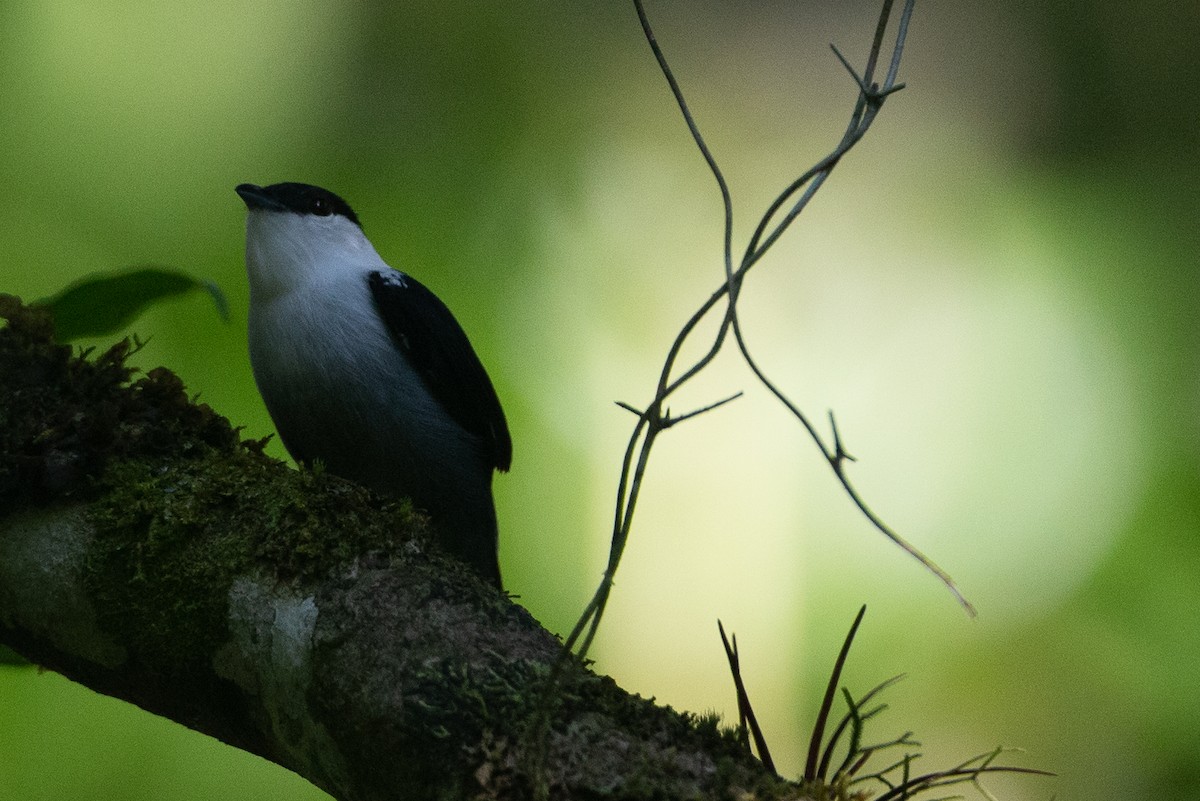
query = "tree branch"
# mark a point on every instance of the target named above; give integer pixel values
(148, 553)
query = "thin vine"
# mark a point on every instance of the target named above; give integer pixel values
(656, 418)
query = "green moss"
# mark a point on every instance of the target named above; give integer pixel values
(64, 416)
(172, 536)
(623, 745)
(180, 504)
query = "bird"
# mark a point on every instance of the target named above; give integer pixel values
(365, 370)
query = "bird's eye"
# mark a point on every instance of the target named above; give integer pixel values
(320, 207)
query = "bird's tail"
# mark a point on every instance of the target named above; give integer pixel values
(467, 531)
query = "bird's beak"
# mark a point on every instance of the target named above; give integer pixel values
(256, 197)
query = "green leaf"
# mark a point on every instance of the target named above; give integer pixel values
(11, 657)
(105, 303)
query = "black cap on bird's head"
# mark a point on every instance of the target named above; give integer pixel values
(296, 198)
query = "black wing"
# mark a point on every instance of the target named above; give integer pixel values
(438, 349)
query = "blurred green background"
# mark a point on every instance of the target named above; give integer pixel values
(997, 292)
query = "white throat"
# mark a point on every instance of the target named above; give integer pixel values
(286, 251)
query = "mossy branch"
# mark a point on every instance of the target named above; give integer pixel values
(150, 554)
